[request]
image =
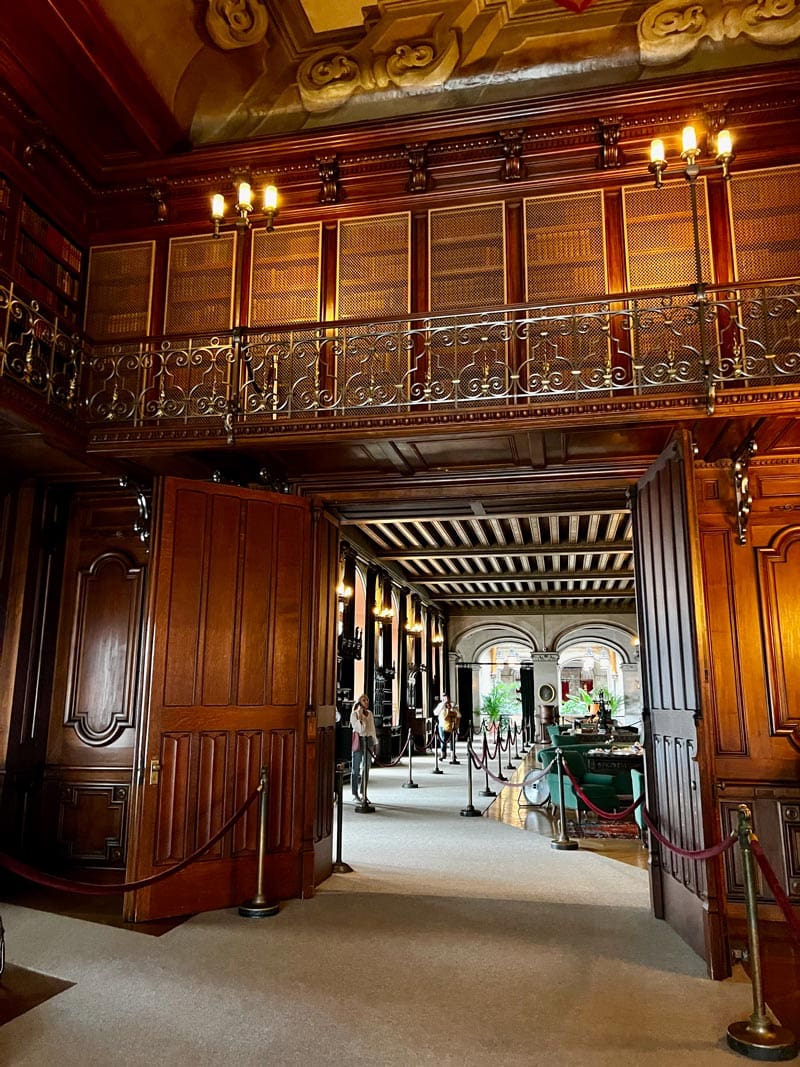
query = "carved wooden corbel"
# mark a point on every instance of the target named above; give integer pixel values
(417, 157)
(157, 193)
(513, 169)
(143, 494)
(329, 176)
(740, 465)
(610, 154)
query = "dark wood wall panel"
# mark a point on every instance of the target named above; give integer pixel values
(104, 646)
(219, 629)
(725, 622)
(92, 822)
(182, 636)
(779, 573)
(172, 819)
(248, 759)
(212, 781)
(282, 793)
(287, 666)
(255, 668)
(326, 750)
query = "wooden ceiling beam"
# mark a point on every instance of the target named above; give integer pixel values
(528, 578)
(581, 548)
(579, 594)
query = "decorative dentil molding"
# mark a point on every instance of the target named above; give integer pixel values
(670, 30)
(236, 23)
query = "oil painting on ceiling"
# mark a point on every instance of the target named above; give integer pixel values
(237, 69)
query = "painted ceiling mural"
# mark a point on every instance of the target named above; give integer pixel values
(237, 69)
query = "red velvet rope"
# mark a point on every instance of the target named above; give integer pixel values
(377, 763)
(781, 898)
(689, 854)
(614, 815)
(52, 881)
(479, 765)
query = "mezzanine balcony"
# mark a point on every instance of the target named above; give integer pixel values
(627, 355)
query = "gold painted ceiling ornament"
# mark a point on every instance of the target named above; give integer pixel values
(329, 77)
(669, 30)
(236, 23)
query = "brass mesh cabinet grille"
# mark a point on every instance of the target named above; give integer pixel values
(565, 260)
(564, 247)
(199, 285)
(283, 363)
(118, 290)
(374, 362)
(659, 243)
(667, 345)
(374, 267)
(467, 361)
(765, 221)
(467, 258)
(285, 276)
(118, 296)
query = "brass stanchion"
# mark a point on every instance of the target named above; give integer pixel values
(500, 776)
(258, 907)
(563, 842)
(454, 760)
(437, 741)
(410, 784)
(364, 807)
(487, 790)
(509, 766)
(339, 867)
(758, 1037)
(470, 811)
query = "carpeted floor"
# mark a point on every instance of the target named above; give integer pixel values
(455, 941)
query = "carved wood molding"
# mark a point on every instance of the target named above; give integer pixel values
(101, 698)
(236, 23)
(779, 574)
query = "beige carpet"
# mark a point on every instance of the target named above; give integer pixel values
(455, 941)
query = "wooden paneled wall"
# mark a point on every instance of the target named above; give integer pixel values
(751, 598)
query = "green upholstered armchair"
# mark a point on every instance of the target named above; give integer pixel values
(637, 789)
(599, 788)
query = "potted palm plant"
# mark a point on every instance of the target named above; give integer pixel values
(499, 704)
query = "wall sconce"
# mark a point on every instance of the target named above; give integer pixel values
(437, 638)
(690, 152)
(244, 207)
(414, 628)
(343, 592)
(383, 616)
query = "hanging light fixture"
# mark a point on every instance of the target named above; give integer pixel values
(244, 207)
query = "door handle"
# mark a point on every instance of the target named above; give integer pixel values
(155, 768)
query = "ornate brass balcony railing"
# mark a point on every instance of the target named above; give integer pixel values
(623, 346)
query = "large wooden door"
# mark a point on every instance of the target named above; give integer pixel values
(228, 625)
(669, 601)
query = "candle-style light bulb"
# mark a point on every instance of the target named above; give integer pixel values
(689, 142)
(217, 206)
(270, 198)
(724, 144)
(245, 201)
(657, 151)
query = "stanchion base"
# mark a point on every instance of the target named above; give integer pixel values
(564, 846)
(487, 793)
(258, 909)
(455, 762)
(364, 808)
(471, 812)
(437, 771)
(777, 1043)
(410, 785)
(342, 868)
